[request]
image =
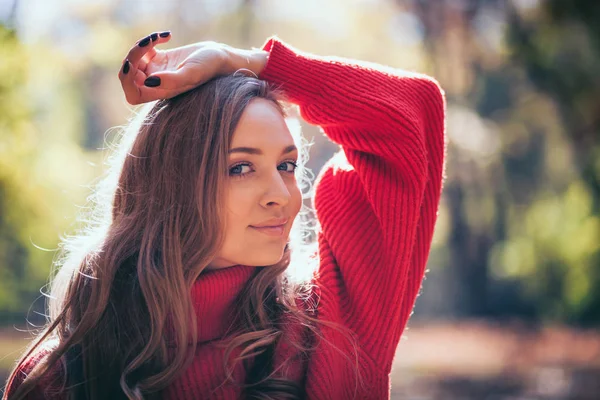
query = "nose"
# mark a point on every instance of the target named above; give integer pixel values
(276, 192)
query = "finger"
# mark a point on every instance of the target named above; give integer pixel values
(145, 45)
(161, 85)
(130, 72)
(142, 65)
(127, 76)
(139, 77)
(138, 93)
(139, 49)
(181, 80)
(157, 38)
(129, 69)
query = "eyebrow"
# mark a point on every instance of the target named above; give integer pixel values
(253, 150)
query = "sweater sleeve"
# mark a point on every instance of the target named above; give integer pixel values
(376, 199)
(49, 386)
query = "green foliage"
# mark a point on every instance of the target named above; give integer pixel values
(559, 48)
(19, 199)
(32, 191)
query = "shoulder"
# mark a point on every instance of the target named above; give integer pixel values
(50, 384)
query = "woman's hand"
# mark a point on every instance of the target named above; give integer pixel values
(149, 74)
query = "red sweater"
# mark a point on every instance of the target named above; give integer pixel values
(376, 202)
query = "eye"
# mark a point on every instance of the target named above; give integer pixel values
(237, 171)
(293, 164)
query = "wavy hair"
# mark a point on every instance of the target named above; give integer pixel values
(155, 224)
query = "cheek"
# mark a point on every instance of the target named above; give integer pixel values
(239, 208)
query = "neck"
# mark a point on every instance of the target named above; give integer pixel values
(213, 299)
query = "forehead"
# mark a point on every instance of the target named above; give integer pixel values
(263, 126)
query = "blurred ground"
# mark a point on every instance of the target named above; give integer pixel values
(474, 360)
(470, 361)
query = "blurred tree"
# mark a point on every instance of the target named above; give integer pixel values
(19, 200)
(559, 47)
(40, 169)
(524, 231)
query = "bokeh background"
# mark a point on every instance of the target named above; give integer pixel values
(510, 307)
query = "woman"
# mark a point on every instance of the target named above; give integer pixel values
(186, 293)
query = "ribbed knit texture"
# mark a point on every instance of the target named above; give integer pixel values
(376, 201)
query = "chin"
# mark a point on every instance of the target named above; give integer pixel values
(265, 260)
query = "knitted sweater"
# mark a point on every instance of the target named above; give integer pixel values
(376, 202)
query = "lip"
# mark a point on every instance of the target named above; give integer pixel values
(271, 230)
(273, 222)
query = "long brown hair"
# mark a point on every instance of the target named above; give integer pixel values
(154, 226)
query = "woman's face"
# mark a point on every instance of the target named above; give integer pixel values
(261, 189)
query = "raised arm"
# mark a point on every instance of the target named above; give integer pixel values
(377, 199)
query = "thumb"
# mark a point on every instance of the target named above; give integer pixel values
(179, 81)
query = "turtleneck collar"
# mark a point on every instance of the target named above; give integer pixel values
(213, 295)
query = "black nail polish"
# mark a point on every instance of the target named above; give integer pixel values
(164, 34)
(154, 37)
(126, 67)
(144, 42)
(152, 81)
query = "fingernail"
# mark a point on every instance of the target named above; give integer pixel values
(152, 81)
(144, 42)
(164, 34)
(126, 67)
(154, 37)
